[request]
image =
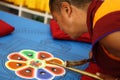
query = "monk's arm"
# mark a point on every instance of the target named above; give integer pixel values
(112, 43)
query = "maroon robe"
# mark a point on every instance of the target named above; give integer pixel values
(104, 26)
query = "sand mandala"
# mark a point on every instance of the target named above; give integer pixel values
(30, 64)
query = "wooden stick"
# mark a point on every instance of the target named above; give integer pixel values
(77, 63)
(79, 71)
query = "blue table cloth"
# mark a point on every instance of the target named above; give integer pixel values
(34, 35)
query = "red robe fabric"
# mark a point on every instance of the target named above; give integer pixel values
(92, 68)
(104, 26)
(59, 34)
(5, 28)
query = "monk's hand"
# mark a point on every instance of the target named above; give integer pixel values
(106, 77)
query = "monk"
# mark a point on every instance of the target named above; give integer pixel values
(101, 18)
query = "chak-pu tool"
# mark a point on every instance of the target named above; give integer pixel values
(79, 71)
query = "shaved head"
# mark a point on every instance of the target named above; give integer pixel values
(55, 5)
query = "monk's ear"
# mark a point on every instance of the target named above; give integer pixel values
(66, 8)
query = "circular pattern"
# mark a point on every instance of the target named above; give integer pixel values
(30, 64)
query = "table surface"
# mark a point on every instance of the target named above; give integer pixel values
(34, 35)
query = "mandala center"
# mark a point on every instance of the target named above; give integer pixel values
(37, 63)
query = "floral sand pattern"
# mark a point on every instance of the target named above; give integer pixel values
(30, 64)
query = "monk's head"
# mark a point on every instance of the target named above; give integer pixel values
(70, 15)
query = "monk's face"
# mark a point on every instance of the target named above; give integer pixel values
(71, 20)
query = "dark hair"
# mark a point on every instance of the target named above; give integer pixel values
(56, 4)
